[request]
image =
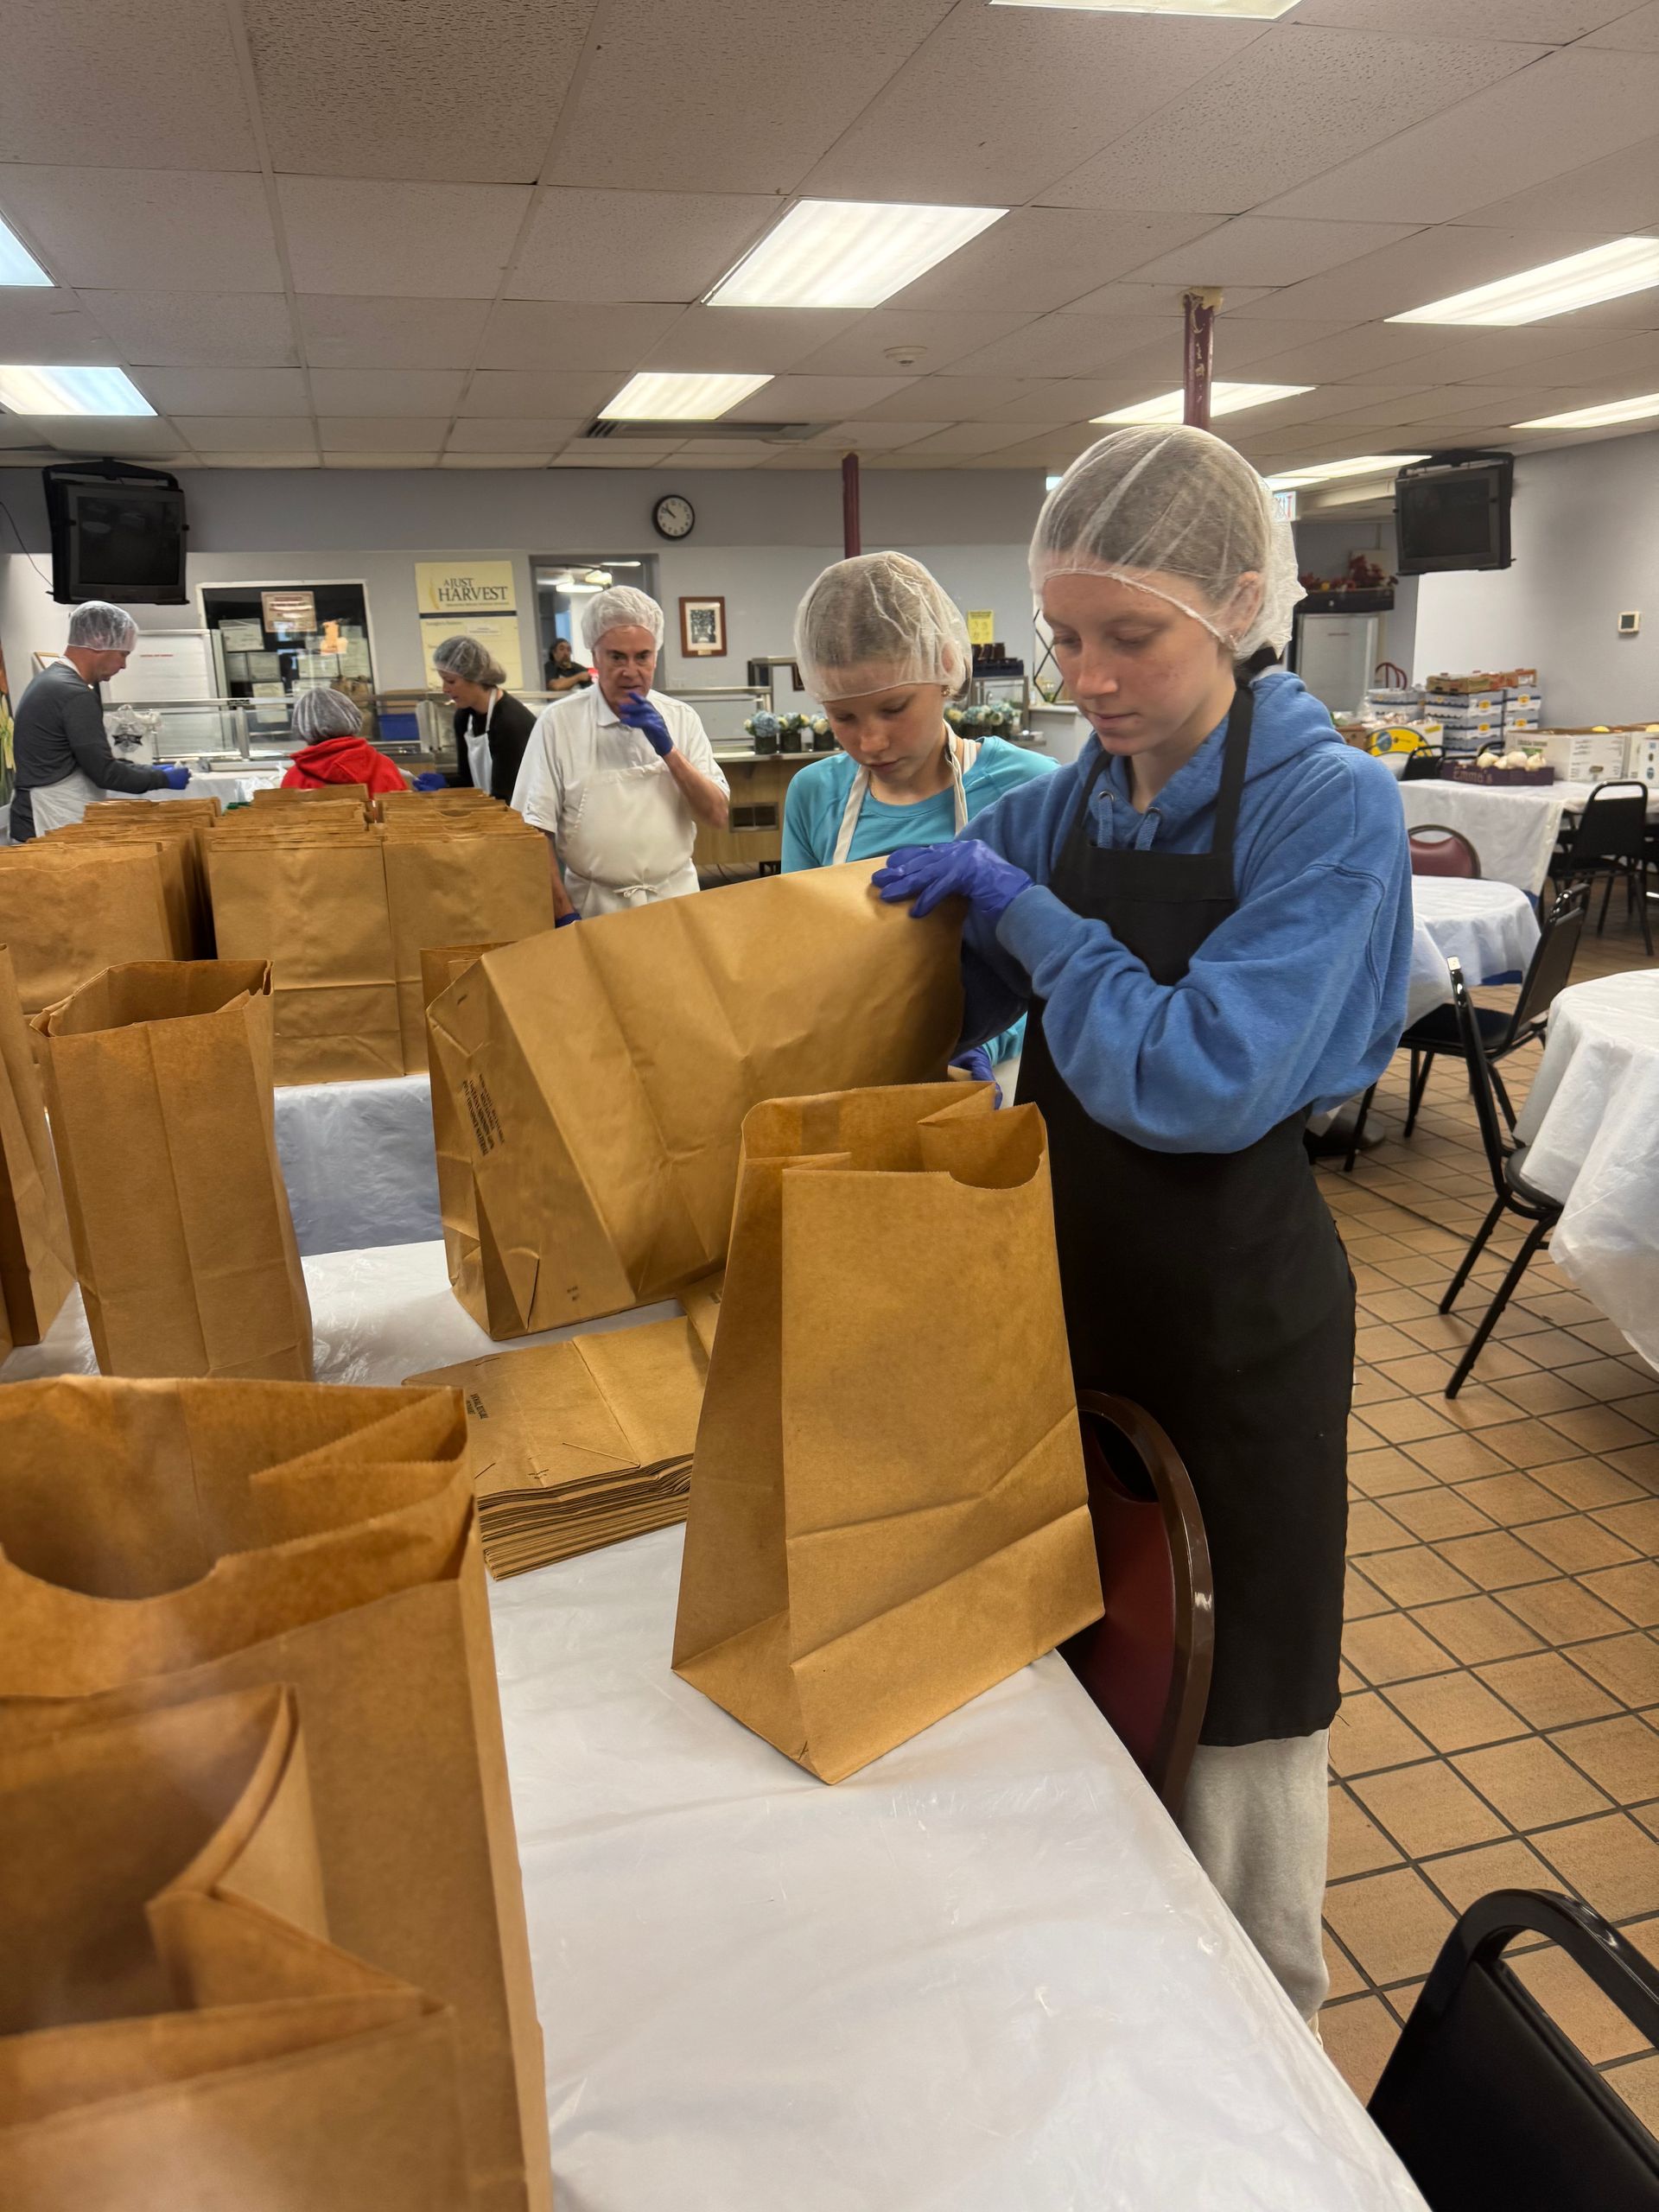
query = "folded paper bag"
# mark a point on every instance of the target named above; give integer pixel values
(174, 2016)
(888, 1512)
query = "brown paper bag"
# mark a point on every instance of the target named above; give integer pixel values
(888, 1506)
(279, 796)
(462, 885)
(158, 1080)
(440, 966)
(315, 908)
(174, 846)
(69, 911)
(579, 1445)
(323, 1538)
(37, 1269)
(600, 1075)
(174, 2016)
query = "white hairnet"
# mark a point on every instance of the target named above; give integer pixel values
(98, 627)
(323, 712)
(878, 619)
(473, 661)
(1178, 513)
(622, 607)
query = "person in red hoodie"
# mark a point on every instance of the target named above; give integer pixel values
(332, 751)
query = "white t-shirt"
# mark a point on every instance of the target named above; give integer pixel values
(581, 738)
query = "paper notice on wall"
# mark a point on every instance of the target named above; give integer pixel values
(241, 637)
(269, 691)
(982, 625)
(354, 657)
(290, 614)
(265, 668)
(498, 634)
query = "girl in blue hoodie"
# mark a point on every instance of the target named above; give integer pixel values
(1209, 915)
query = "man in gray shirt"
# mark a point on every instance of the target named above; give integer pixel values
(64, 760)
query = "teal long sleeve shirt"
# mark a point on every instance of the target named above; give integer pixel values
(817, 799)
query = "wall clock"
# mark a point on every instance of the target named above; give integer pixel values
(673, 516)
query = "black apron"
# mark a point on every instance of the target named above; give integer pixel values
(1212, 1289)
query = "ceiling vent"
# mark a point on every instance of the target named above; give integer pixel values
(657, 434)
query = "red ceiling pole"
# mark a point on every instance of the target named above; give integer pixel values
(1198, 360)
(850, 540)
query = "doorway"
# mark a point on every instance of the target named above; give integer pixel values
(563, 585)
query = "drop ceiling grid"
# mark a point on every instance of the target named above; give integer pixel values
(485, 233)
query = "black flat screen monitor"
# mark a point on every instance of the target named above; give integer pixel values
(118, 541)
(1456, 517)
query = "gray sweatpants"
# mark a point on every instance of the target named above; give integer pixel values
(1254, 1818)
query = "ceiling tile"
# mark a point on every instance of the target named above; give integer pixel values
(1622, 365)
(1366, 349)
(635, 246)
(41, 326)
(515, 434)
(1550, 22)
(872, 437)
(122, 84)
(1639, 31)
(1292, 103)
(382, 433)
(1431, 264)
(166, 230)
(706, 96)
(1159, 301)
(141, 437)
(387, 392)
(720, 457)
(626, 455)
(1570, 109)
(435, 92)
(943, 336)
(380, 459)
(420, 241)
(559, 334)
(217, 330)
(1069, 346)
(948, 399)
(811, 399)
(501, 393)
(217, 460)
(1268, 250)
(1002, 101)
(803, 459)
(250, 433)
(1618, 194)
(495, 461)
(224, 391)
(343, 333)
(1486, 356)
(758, 341)
(1040, 257)
(962, 441)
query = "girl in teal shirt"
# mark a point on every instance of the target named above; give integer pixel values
(885, 649)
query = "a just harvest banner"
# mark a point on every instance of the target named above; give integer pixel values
(464, 587)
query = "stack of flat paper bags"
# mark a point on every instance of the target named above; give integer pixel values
(579, 1445)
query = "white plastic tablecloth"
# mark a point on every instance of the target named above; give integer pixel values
(1491, 928)
(1592, 1125)
(983, 1975)
(1513, 831)
(358, 1162)
(229, 787)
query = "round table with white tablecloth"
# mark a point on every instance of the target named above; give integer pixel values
(1492, 929)
(1590, 1126)
(1512, 829)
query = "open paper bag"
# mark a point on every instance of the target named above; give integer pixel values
(255, 1533)
(158, 1077)
(175, 2026)
(37, 1269)
(598, 1076)
(889, 1511)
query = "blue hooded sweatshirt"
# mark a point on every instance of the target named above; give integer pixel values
(1295, 1002)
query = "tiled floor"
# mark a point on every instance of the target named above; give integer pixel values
(1502, 1676)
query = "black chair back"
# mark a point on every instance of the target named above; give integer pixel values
(1488, 2105)
(1552, 960)
(1480, 1079)
(1422, 768)
(1612, 825)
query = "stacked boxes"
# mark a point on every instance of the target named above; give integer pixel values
(1485, 710)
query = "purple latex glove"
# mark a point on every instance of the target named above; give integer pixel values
(431, 779)
(639, 714)
(975, 1062)
(965, 868)
(177, 778)
(559, 920)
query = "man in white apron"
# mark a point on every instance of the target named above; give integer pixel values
(63, 763)
(619, 776)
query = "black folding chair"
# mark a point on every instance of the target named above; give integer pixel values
(1515, 1194)
(1488, 2105)
(1501, 1033)
(1611, 840)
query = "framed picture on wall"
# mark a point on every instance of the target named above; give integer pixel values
(702, 628)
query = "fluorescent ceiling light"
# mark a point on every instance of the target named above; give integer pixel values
(670, 396)
(17, 264)
(26, 389)
(848, 253)
(1224, 399)
(1257, 10)
(1594, 418)
(1606, 272)
(1327, 471)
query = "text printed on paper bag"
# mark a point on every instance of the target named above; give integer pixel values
(487, 1132)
